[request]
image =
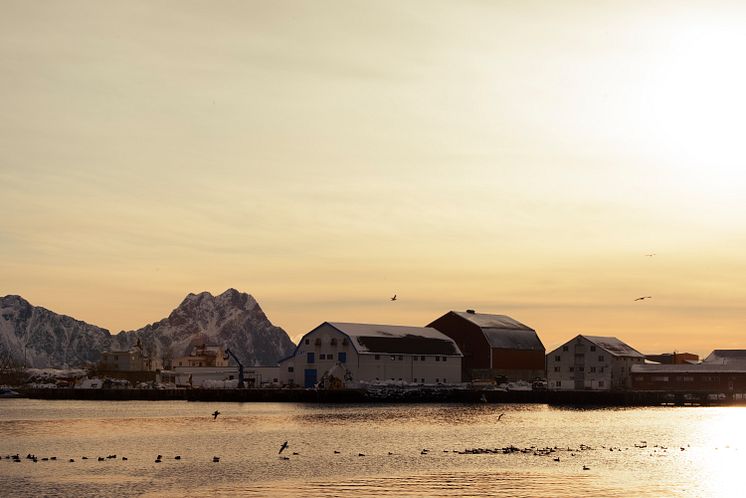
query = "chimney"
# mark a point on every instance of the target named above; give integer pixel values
(471, 312)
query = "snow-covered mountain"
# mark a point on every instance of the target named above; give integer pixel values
(233, 320)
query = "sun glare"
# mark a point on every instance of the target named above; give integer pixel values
(696, 105)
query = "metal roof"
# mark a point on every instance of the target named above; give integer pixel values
(726, 356)
(397, 339)
(614, 346)
(503, 332)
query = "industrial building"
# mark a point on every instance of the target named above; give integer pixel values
(494, 346)
(590, 362)
(342, 355)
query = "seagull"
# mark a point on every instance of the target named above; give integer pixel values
(650, 255)
(283, 447)
(215, 415)
(393, 298)
(500, 416)
(643, 298)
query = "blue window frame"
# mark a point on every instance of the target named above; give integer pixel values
(342, 357)
(310, 358)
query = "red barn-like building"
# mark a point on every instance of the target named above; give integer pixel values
(494, 345)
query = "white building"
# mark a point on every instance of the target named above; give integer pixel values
(131, 360)
(590, 362)
(340, 355)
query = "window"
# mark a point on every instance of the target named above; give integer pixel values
(401, 358)
(317, 342)
(377, 357)
(593, 348)
(437, 380)
(556, 369)
(342, 357)
(291, 369)
(581, 369)
(444, 380)
(310, 358)
(422, 358)
(600, 383)
(344, 342)
(565, 348)
(559, 383)
(444, 359)
(308, 341)
(572, 369)
(322, 356)
(593, 369)
(558, 358)
(333, 341)
(601, 369)
(414, 358)
(600, 357)
(437, 358)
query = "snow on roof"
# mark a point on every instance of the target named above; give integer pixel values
(614, 346)
(488, 321)
(684, 368)
(726, 356)
(504, 332)
(369, 338)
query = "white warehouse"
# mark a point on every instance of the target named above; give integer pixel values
(342, 355)
(590, 362)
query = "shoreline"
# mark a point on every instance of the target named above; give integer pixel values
(388, 396)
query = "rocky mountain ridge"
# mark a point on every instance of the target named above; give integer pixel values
(36, 337)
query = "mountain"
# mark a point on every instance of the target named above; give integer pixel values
(36, 337)
(233, 320)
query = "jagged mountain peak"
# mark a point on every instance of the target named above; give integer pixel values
(233, 319)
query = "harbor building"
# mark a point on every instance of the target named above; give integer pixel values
(589, 362)
(494, 346)
(130, 360)
(342, 355)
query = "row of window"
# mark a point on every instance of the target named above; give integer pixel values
(332, 342)
(582, 369)
(422, 380)
(559, 358)
(341, 357)
(394, 357)
(565, 348)
(559, 383)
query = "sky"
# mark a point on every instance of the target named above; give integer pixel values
(517, 158)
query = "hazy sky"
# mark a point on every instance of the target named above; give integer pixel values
(518, 158)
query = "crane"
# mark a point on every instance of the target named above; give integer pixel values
(240, 369)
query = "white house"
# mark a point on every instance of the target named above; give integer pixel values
(345, 354)
(590, 362)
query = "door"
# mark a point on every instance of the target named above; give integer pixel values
(310, 377)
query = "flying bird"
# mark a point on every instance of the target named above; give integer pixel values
(500, 416)
(650, 255)
(643, 298)
(393, 298)
(215, 415)
(283, 447)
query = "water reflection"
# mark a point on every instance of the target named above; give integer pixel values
(628, 452)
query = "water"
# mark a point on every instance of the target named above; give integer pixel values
(247, 438)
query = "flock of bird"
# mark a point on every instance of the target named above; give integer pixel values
(553, 452)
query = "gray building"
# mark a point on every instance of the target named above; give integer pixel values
(589, 362)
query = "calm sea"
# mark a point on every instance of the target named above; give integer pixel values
(627, 452)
